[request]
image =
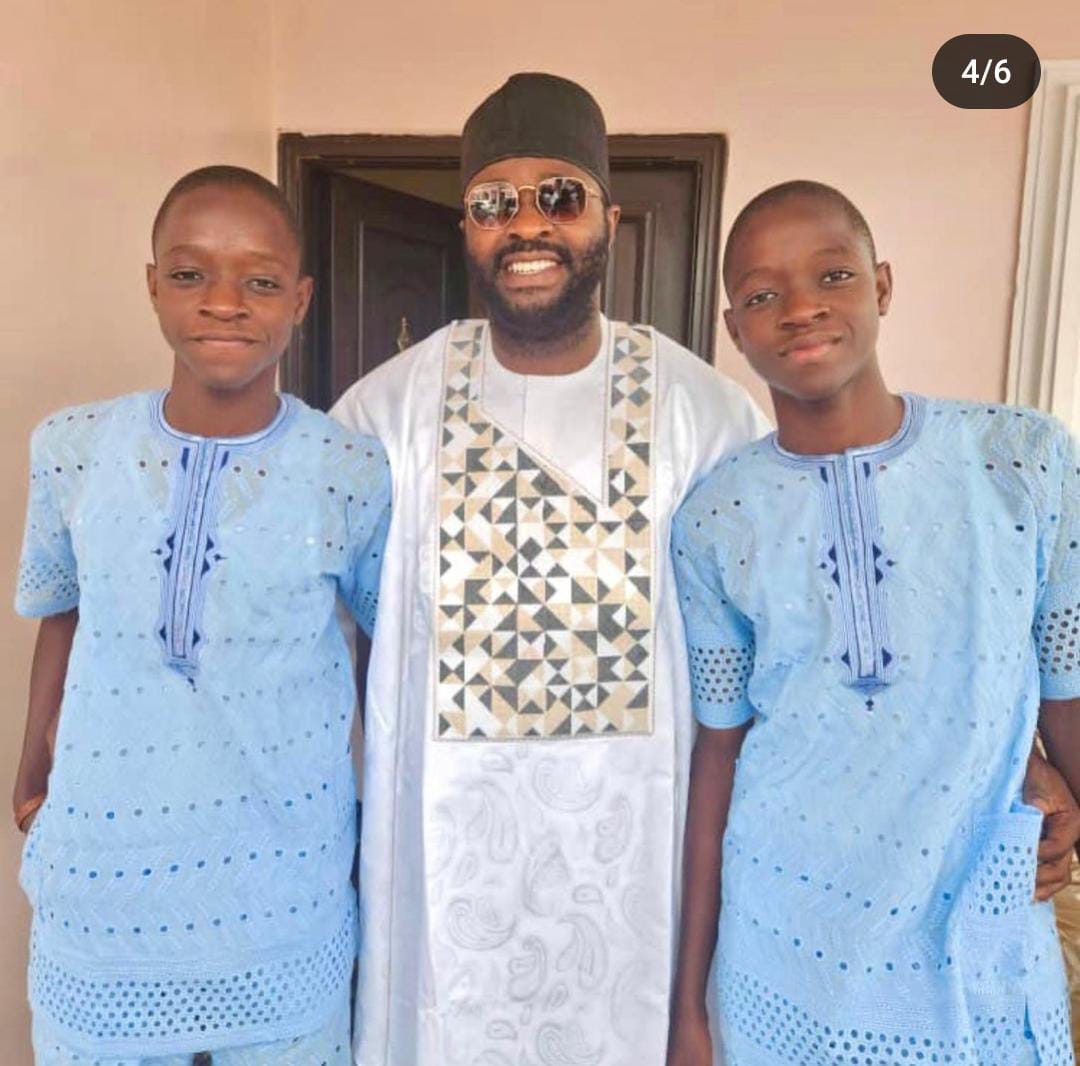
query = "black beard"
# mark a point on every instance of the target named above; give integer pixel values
(565, 316)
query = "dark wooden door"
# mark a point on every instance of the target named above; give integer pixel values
(395, 273)
(380, 255)
(650, 274)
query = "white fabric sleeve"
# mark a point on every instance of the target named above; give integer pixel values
(350, 412)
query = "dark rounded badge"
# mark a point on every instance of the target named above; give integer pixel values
(986, 70)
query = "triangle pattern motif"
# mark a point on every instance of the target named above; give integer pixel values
(529, 644)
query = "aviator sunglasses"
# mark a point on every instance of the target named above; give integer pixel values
(493, 204)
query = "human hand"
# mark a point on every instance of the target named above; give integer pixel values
(689, 1043)
(26, 813)
(1047, 790)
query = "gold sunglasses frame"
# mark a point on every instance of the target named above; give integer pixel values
(519, 189)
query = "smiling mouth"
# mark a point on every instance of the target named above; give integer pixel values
(526, 267)
(222, 338)
(810, 349)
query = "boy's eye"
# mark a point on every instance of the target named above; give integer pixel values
(758, 298)
(185, 275)
(264, 284)
(838, 275)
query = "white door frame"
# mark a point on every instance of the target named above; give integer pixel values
(1044, 349)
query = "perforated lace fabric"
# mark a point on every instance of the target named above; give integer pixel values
(904, 608)
(329, 1045)
(1057, 637)
(763, 1020)
(198, 1011)
(189, 871)
(720, 674)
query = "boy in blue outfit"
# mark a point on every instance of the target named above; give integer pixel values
(189, 864)
(887, 589)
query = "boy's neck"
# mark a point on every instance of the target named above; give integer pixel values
(861, 414)
(206, 412)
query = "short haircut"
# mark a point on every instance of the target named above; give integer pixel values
(804, 190)
(227, 177)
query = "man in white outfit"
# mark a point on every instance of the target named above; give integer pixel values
(528, 726)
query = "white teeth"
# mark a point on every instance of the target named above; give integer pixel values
(530, 266)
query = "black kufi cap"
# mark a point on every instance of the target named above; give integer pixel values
(537, 115)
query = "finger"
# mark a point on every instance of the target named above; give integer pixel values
(1051, 878)
(1053, 850)
(1046, 891)
(1062, 823)
(1060, 834)
(1038, 799)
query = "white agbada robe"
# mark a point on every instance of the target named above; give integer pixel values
(528, 725)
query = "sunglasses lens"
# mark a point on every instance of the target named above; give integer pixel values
(493, 204)
(562, 199)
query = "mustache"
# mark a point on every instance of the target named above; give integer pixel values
(520, 247)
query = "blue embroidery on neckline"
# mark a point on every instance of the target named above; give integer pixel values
(910, 426)
(189, 551)
(854, 557)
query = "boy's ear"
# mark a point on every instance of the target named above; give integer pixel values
(304, 288)
(883, 285)
(151, 282)
(733, 330)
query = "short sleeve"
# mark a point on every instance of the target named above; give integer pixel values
(48, 581)
(1057, 617)
(350, 412)
(719, 638)
(369, 525)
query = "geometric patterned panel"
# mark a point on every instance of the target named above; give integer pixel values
(544, 605)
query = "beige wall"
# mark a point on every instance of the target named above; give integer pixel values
(840, 92)
(114, 99)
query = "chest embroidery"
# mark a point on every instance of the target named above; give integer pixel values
(544, 594)
(188, 552)
(854, 559)
(856, 564)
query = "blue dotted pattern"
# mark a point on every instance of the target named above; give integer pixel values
(193, 1012)
(720, 675)
(874, 856)
(762, 1021)
(191, 864)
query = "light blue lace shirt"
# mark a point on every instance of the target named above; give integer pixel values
(889, 617)
(190, 869)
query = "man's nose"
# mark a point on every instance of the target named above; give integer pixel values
(529, 223)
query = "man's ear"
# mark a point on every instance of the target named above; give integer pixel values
(613, 213)
(884, 286)
(151, 282)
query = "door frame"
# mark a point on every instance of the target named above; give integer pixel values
(303, 157)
